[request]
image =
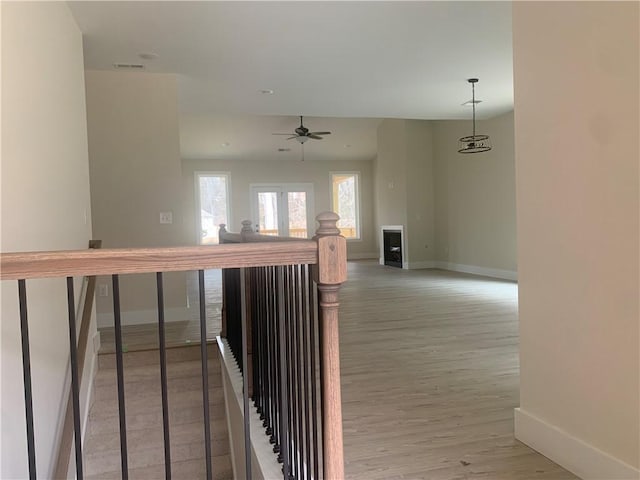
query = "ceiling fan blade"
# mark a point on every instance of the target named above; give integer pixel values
(315, 137)
(291, 138)
(281, 134)
(320, 133)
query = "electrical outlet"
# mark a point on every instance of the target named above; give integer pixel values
(166, 217)
(103, 290)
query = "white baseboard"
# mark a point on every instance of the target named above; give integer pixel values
(139, 317)
(361, 256)
(577, 456)
(419, 265)
(487, 272)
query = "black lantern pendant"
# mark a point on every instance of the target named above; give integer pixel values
(474, 143)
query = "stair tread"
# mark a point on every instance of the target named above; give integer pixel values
(183, 470)
(143, 407)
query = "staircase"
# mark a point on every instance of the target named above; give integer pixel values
(145, 444)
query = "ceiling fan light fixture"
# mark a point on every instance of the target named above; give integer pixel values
(302, 138)
(474, 143)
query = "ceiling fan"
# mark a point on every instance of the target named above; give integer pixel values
(302, 134)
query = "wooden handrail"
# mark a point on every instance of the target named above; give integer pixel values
(15, 266)
(66, 440)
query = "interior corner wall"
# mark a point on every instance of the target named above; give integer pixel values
(134, 159)
(475, 220)
(45, 206)
(391, 174)
(243, 173)
(420, 194)
(577, 124)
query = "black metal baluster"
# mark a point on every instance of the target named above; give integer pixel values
(295, 385)
(26, 374)
(274, 349)
(120, 377)
(75, 382)
(313, 314)
(205, 374)
(163, 377)
(299, 319)
(291, 364)
(254, 298)
(305, 364)
(245, 377)
(284, 436)
(321, 341)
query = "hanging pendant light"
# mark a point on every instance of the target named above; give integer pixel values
(474, 143)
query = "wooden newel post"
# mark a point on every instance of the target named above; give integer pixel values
(329, 274)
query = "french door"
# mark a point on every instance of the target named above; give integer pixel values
(283, 209)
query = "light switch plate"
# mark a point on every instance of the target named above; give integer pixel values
(166, 217)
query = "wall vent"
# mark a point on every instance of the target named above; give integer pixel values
(128, 66)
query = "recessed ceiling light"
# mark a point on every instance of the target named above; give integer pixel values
(225, 144)
(347, 145)
(267, 91)
(148, 55)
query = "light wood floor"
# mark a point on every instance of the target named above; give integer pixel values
(429, 376)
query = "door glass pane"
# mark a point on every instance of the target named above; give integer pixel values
(268, 213)
(297, 208)
(213, 206)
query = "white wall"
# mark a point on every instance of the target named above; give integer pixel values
(475, 198)
(576, 137)
(45, 206)
(245, 173)
(134, 158)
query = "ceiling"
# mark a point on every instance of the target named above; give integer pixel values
(347, 62)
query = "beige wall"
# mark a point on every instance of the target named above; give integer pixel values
(576, 104)
(45, 206)
(391, 174)
(134, 157)
(475, 220)
(245, 173)
(420, 193)
(404, 186)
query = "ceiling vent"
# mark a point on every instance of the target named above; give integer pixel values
(128, 66)
(284, 149)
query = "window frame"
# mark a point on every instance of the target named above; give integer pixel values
(356, 175)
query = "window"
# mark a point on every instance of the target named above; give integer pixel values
(213, 205)
(345, 201)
